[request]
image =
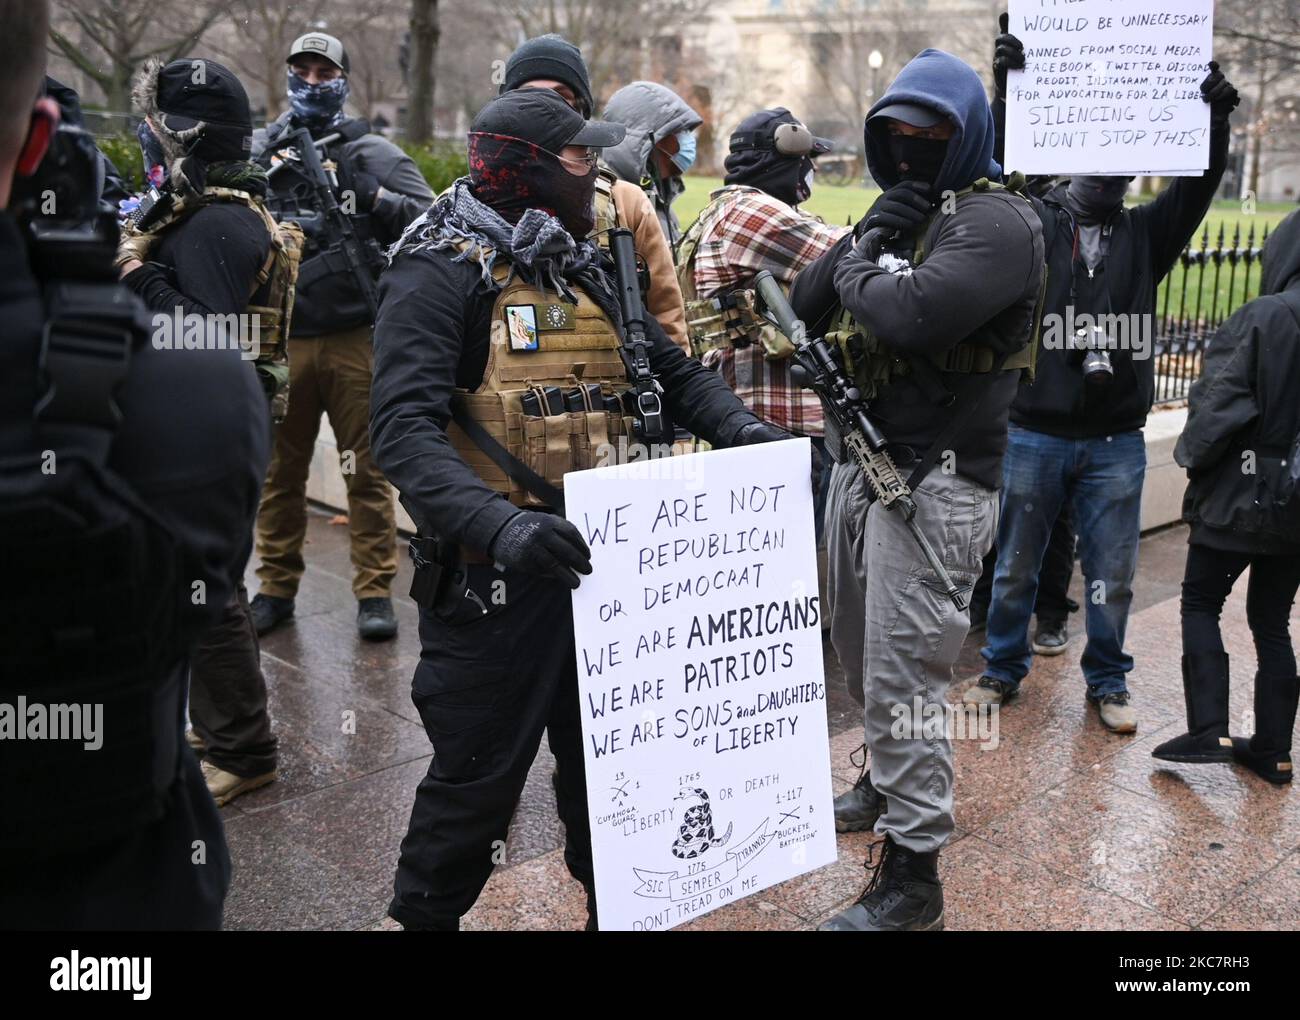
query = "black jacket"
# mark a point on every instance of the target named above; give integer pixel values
(980, 280)
(206, 264)
(333, 302)
(1145, 243)
(432, 336)
(1244, 414)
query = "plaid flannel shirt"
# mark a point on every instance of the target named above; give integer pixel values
(750, 231)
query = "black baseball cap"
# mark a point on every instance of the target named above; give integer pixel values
(540, 116)
(549, 57)
(762, 131)
(910, 113)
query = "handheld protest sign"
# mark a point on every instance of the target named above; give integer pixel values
(1110, 87)
(701, 684)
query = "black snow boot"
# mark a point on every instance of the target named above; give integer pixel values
(1268, 752)
(1205, 692)
(904, 894)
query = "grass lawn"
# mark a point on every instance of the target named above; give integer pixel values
(846, 204)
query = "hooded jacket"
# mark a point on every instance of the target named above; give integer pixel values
(1145, 244)
(651, 113)
(1244, 414)
(979, 280)
(333, 303)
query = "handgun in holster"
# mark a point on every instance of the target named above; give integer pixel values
(437, 567)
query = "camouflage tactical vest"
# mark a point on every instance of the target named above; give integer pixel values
(873, 365)
(730, 319)
(544, 345)
(272, 292)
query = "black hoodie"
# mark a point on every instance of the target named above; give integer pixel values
(1145, 243)
(1244, 414)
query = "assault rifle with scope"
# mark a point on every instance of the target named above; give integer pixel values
(816, 368)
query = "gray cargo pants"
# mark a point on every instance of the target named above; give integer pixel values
(897, 636)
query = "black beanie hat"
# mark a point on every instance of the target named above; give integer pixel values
(553, 57)
(196, 101)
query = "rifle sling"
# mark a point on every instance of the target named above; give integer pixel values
(516, 470)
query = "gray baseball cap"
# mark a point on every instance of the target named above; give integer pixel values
(321, 45)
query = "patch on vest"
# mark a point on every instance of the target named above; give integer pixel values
(521, 327)
(555, 316)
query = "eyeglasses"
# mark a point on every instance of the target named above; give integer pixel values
(587, 163)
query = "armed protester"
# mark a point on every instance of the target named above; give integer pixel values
(551, 62)
(353, 192)
(1076, 433)
(929, 308)
(503, 359)
(750, 226)
(214, 251)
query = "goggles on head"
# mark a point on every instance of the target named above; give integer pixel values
(787, 139)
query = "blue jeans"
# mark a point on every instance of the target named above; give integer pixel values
(1102, 479)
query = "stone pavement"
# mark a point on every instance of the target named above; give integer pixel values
(1062, 826)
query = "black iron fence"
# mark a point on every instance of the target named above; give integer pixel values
(1211, 281)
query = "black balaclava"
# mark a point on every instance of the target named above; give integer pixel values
(755, 162)
(1094, 200)
(918, 159)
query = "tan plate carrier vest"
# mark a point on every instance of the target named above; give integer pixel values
(276, 280)
(726, 321)
(538, 339)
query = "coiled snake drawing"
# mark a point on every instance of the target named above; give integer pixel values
(695, 834)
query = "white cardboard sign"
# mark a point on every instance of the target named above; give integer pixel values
(1110, 87)
(700, 676)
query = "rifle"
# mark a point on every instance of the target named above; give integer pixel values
(650, 422)
(816, 368)
(345, 252)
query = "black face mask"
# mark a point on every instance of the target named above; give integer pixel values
(1094, 199)
(513, 175)
(923, 158)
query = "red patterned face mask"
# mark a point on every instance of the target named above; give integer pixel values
(513, 175)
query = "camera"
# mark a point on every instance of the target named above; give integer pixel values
(1097, 368)
(70, 234)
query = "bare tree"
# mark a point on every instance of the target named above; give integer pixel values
(262, 31)
(1259, 40)
(615, 36)
(108, 39)
(425, 33)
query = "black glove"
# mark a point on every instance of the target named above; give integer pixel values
(1220, 94)
(537, 543)
(759, 432)
(901, 208)
(1008, 55)
(366, 187)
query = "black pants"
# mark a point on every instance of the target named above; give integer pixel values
(172, 875)
(1053, 602)
(228, 693)
(1207, 581)
(496, 668)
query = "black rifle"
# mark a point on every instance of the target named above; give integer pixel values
(344, 251)
(650, 422)
(816, 368)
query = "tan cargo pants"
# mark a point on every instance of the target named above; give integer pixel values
(329, 373)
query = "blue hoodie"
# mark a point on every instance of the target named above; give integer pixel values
(941, 82)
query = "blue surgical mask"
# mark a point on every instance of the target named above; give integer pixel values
(684, 157)
(320, 105)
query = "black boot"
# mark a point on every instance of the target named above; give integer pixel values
(857, 809)
(1205, 692)
(269, 612)
(1268, 752)
(593, 921)
(904, 894)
